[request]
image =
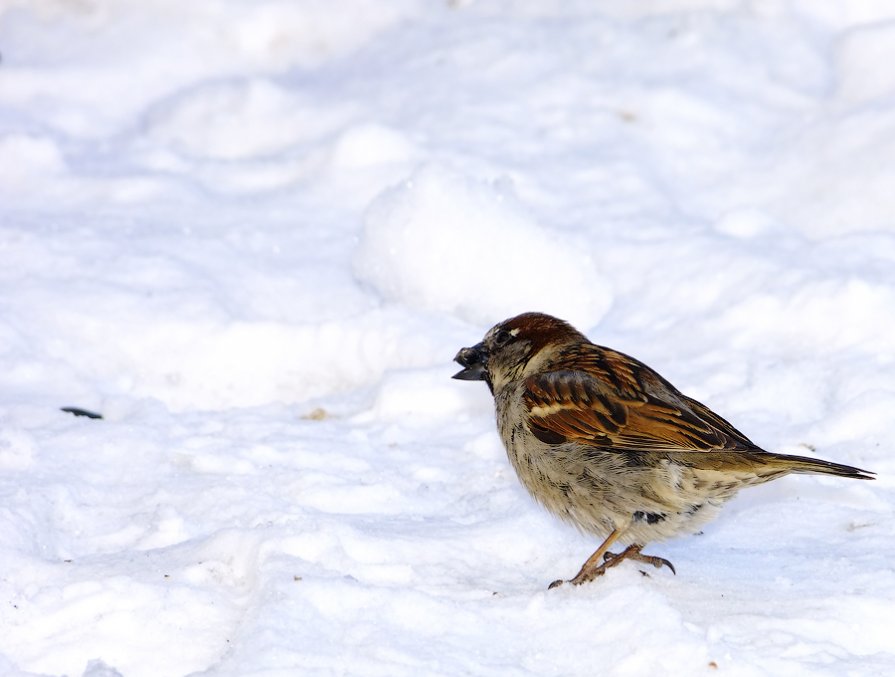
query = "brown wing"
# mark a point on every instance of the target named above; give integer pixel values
(633, 409)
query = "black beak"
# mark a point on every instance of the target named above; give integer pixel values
(473, 360)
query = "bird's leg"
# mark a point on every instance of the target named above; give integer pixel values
(594, 566)
(633, 552)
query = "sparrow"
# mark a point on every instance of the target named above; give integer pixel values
(607, 444)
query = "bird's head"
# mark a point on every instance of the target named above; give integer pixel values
(514, 348)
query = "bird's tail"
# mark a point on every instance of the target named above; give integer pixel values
(816, 466)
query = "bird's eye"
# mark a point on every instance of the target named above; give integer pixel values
(502, 337)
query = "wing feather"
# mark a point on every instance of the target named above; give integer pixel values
(636, 411)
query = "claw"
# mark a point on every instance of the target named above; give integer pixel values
(662, 561)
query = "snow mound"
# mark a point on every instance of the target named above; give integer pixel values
(238, 120)
(444, 242)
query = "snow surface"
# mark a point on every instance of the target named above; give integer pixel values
(253, 235)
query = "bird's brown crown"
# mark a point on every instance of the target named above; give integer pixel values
(540, 330)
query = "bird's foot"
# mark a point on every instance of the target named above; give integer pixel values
(633, 552)
(591, 570)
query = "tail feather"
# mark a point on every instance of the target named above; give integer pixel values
(816, 466)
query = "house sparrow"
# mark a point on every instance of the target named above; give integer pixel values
(606, 443)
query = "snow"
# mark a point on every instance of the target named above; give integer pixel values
(436, 216)
(253, 235)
